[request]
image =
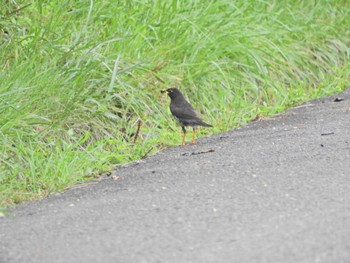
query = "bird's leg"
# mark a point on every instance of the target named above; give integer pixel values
(184, 136)
(194, 135)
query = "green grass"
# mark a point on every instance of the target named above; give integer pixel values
(76, 76)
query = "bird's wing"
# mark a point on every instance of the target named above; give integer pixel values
(184, 111)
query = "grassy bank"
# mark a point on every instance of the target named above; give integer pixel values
(78, 76)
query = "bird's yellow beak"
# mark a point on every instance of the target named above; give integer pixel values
(164, 91)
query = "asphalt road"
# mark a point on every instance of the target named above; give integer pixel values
(276, 190)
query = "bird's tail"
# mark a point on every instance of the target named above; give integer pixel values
(202, 123)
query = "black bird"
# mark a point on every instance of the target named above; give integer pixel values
(184, 112)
